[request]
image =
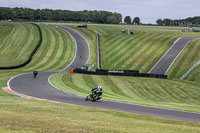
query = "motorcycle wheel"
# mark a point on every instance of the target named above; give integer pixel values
(86, 99)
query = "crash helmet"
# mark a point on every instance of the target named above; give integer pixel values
(100, 88)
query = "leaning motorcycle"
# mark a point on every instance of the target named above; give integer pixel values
(95, 97)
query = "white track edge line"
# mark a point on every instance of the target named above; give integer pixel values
(75, 50)
(176, 57)
(190, 70)
(8, 83)
(74, 95)
(165, 54)
(76, 43)
(73, 59)
(35, 98)
(130, 103)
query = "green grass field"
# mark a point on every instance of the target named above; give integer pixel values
(194, 75)
(140, 51)
(20, 115)
(186, 60)
(57, 51)
(92, 41)
(146, 91)
(18, 39)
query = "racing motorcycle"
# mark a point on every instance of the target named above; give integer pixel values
(95, 97)
(35, 73)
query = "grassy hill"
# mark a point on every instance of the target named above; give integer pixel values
(186, 60)
(20, 115)
(56, 52)
(142, 50)
(90, 36)
(17, 42)
(154, 92)
(194, 75)
(139, 51)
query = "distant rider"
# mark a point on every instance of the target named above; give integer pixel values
(94, 90)
(35, 73)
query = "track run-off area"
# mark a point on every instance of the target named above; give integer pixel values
(41, 88)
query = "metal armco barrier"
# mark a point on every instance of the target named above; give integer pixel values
(133, 73)
(98, 52)
(31, 55)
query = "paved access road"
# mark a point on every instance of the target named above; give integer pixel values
(41, 88)
(168, 59)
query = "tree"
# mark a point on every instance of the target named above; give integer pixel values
(63, 15)
(127, 19)
(159, 22)
(167, 22)
(119, 17)
(112, 20)
(136, 21)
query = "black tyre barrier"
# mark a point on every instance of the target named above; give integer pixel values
(82, 26)
(133, 73)
(31, 55)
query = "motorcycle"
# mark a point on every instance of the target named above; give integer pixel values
(95, 97)
(35, 73)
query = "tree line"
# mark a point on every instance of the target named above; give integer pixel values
(195, 21)
(135, 21)
(60, 15)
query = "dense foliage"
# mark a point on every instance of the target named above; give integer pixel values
(136, 21)
(59, 15)
(180, 22)
(127, 19)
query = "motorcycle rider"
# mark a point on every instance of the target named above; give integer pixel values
(99, 88)
(35, 73)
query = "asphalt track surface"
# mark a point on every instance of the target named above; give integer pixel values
(41, 88)
(168, 59)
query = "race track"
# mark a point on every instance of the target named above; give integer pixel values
(170, 56)
(41, 88)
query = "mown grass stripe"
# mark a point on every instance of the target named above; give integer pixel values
(18, 44)
(90, 35)
(119, 53)
(56, 50)
(67, 50)
(117, 41)
(4, 32)
(28, 43)
(8, 39)
(27, 48)
(38, 59)
(99, 30)
(185, 60)
(73, 85)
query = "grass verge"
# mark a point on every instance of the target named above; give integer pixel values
(145, 91)
(194, 75)
(186, 60)
(15, 47)
(139, 51)
(56, 52)
(19, 115)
